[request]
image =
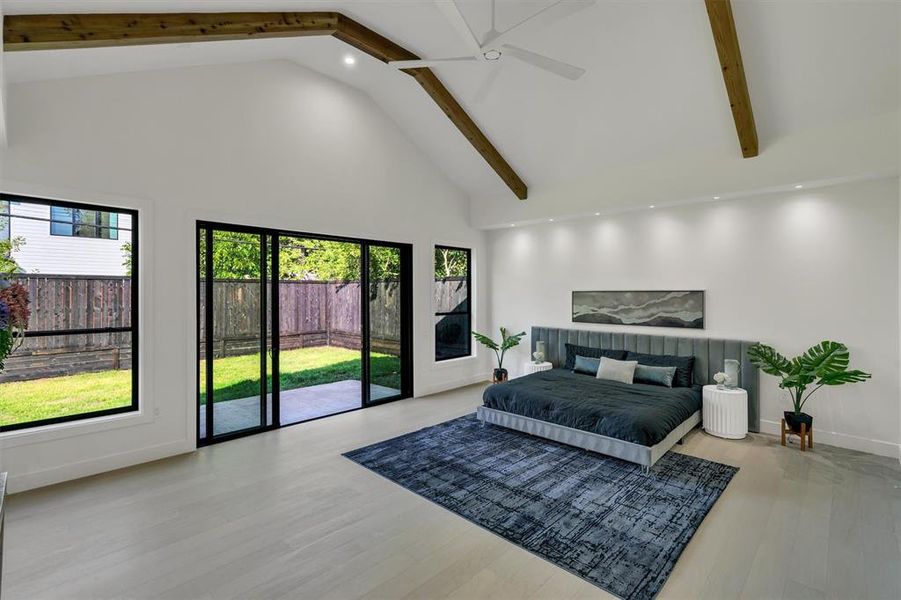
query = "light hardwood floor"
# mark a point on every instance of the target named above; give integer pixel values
(283, 515)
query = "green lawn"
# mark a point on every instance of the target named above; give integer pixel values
(23, 401)
(235, 377)
(238, 376)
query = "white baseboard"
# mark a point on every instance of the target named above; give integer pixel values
(20, 482)
(842, 440)
(428, 390)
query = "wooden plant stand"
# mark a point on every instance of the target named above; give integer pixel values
(806, 436)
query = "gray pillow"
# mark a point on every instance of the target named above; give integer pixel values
(655, 375)
(684, 365)
(572, 350)
(617, 370)
(586, 365)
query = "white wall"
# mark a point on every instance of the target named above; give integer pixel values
(267, 144)
(788, 269)
(898, 13)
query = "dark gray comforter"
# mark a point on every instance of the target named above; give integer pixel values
(637, 413)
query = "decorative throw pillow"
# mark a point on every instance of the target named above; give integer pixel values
(622, 371)
(586, 365)
(655, 375)
(572, 350)
(685, 365)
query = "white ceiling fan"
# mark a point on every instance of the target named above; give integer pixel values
(495, 47)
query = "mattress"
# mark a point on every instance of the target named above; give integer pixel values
(636, 413)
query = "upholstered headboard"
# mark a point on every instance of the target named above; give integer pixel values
(709, 354)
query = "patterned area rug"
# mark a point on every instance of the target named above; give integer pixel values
(598, 517)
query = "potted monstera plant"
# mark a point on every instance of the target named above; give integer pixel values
(507, 341)
(824, 364)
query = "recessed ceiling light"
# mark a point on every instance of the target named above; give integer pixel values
(652, 206)
(716, 197)
(550, 220)
(349, 60)
(512, 224)
(597, 214)
(799, 186)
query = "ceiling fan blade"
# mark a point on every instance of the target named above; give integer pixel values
(452, 13)
(492, 31)
(543, 18)
(486, 85)
(543, 62)
(435, 62)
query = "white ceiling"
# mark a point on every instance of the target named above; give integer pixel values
(653, 91)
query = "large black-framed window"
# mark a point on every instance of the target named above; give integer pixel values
(453, 302)
(78, 359)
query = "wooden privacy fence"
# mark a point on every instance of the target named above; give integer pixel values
(73, 302)
(311, 313)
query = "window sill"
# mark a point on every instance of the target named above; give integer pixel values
(58, 431)
(437, 364)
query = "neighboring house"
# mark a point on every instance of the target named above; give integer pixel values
(65, 241)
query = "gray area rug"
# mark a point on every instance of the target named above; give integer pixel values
(598, 517)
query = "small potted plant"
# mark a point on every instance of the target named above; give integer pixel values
(823, 364)
(507, 342)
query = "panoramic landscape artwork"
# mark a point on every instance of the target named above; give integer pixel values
(683, 309)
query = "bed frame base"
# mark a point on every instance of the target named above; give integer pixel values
(645, 456)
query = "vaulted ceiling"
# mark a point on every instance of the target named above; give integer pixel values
(653, 95)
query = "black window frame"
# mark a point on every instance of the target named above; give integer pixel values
(132, 329)
(97, 227)
(467, 312)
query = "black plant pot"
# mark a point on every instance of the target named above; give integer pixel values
(500, 375)
(794, 421)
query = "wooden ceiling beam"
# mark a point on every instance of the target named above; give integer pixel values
(72, 31)
(380, 47)
(446, 101)
(726, 39)
(366, 40)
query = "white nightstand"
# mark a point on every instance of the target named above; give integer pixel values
(725, 412)
(530, 366)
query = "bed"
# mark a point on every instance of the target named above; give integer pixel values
(635, 422)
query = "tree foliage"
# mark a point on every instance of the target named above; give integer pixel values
(450, 262)
(237, 256)
(8, 264)
(126, 258)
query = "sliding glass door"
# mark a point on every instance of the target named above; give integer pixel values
(232, 316)
(320, 357)
(294, 327)
(386, 295)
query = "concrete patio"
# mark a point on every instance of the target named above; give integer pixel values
(301, 404)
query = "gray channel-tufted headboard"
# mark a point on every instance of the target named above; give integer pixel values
(709, 354)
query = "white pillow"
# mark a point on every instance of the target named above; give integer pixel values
(622, 371)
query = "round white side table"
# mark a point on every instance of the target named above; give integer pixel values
(725, 412)
(530, 366)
